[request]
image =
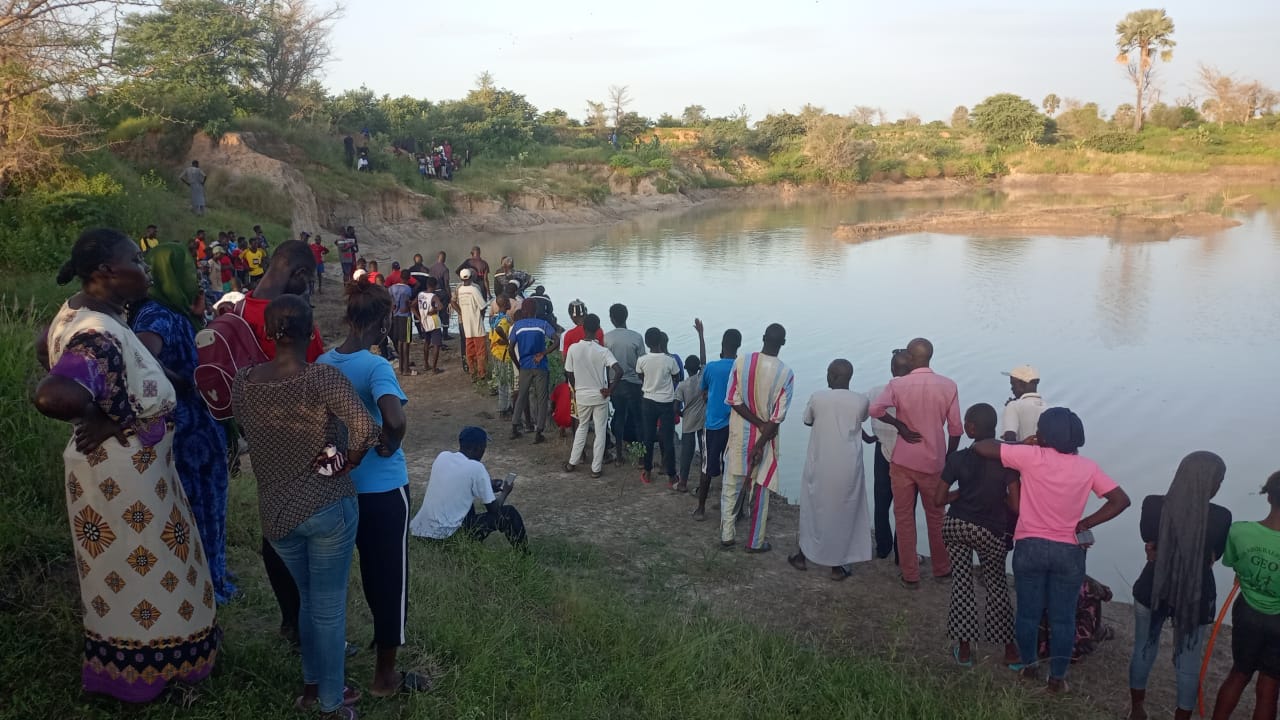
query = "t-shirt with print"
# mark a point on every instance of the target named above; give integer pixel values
(984, 491)
(456, 482)
(589, 362)
(429, 311)
(689, 393)
(656, 371)
(373, 377)
(254, 259)
(1055, 487)
(528, 338)
(715, 383)
(1253, 551)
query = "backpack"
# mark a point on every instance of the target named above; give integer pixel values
(223, 348)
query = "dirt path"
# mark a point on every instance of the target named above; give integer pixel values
(646, 534)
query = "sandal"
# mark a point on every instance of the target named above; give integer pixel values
(410, 682)
(570, 467)
(797, 561)
(955, 653)
(840, 573)
(908, 584)
(345, 712)
(350, 696)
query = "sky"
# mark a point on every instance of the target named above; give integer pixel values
(922, 56)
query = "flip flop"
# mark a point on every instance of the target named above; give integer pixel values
(350, 696)
(797, 561)
(840, 573)
(764, 548)
(955, 653)
(410, 682)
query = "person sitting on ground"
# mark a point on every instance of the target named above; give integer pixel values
(457, 480)
(1184, 534)
(979, 522)
(1253, 551)
(594, 374)
(835, 527)
(307, 428)
(1050, 537)
(1022, 411)
(657, 373)
(562, 407)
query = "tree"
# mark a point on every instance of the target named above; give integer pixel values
(831, 143)
(294, 47)
(1123, 116)
(776, 129)
(1051, 103)
(1080, 121)
(960, 117)
(1141, 37)
(556, 117)
(667, 120)
(597, 116)
(633, 125)
(49, 50)
(694, 116)
(910, 118)
(865, 114)
(1232, 100)
(619, 99)
(1009, 119)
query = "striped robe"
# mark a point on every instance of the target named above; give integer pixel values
(764, 384)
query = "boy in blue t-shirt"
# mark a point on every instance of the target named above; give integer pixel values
(531, 340)
(715, 387)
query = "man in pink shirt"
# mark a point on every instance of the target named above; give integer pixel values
(924, 402)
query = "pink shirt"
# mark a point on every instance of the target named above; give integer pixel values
(924, 401)
(1055, 488)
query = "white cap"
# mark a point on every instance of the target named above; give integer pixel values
(232, 298)
(1025, 373)
(357, 275)
(465, 274)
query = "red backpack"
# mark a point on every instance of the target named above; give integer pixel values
(224, 347)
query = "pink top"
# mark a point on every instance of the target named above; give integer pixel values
(1055, 488)
(924, 401)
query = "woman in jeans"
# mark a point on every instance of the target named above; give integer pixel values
(1049, 540)
(1253, 551)
(1184, 534)
(382, 484)
(295, 416)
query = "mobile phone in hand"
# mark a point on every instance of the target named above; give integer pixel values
(510, 480)
(1084, 537)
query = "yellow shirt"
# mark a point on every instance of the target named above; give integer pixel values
(147, 243)
(254, 258)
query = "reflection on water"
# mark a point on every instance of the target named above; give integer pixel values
(1162, 347)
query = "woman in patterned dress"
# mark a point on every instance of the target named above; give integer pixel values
(148, 601)
(166, 323)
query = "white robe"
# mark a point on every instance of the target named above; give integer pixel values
(835, 526)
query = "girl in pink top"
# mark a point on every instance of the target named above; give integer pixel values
(1050, 538)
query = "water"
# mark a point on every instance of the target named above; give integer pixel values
(1162, 347)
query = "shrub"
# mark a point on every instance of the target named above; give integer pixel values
(38, 228)
(623, 160)
(1115, 141)
(1008, 119)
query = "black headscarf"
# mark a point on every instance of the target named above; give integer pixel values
(1061, 430)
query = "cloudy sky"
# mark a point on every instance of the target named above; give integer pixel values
(925, 56)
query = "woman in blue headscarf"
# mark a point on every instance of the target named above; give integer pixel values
(166, 322)
(1050, 537)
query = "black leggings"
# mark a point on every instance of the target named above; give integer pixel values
(383, 542)
(508, 522)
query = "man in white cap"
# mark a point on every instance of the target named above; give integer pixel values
(1022, 411)
(470, 306)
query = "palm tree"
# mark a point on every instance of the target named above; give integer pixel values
(1139, 37)
(1051, 103)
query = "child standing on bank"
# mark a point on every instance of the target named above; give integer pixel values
(427, 312)
(979, 521)
(693, 416)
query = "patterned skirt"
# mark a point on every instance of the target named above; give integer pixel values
(148, 600)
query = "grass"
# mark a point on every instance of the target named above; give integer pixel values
(556, 634)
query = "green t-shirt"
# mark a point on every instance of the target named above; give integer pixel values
(1253, 551)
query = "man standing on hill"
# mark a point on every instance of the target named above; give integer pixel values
(444, 290)
(470, 308)
(193, 177)
(924, 401)
(760, 388)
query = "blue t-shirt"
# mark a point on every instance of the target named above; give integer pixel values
(529, 337)
(372, 376)
(715, 382)
(402, 298)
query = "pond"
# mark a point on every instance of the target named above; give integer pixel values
(1162, 347)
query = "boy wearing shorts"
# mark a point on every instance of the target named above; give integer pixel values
(427, 312)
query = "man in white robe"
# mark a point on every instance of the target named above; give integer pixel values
(835, 526)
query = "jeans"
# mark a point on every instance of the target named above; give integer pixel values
(318, 555)
(659, 424)
(1186, 658)
(532, 397)
(1047, 576)
(883, 490)
(626, 415)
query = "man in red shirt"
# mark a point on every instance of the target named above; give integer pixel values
(289, 273)
(395, 276)
(578, 313)
(318, 250)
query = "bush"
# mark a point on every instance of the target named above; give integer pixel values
(623, 160)
(1008, 119)
(38, 228)
(1116, 141)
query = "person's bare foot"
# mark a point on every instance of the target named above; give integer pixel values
(699, 514)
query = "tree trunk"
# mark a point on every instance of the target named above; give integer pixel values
(1144, 68)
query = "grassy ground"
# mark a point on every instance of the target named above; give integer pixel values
(551, 635)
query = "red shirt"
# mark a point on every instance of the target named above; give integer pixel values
(374, 277)
(393, 278)
(561, 411)
(238, 262)
(224, 263)
(319, 251)
(576, 334)
(254, 314)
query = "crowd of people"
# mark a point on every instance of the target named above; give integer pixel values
(147, 466)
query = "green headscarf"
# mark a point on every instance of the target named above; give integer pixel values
(173, 272)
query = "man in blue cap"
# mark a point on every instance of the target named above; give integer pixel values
(457, 480)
